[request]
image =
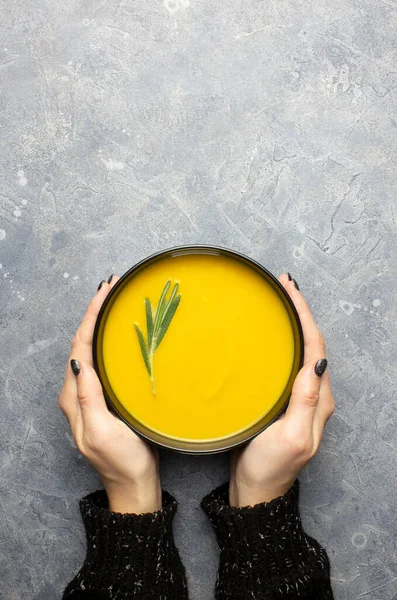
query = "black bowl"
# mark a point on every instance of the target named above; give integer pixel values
(205, 446)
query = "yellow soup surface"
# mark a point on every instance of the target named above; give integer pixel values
(225, 359)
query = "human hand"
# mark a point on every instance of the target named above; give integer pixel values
(267, 467)
(127, 465)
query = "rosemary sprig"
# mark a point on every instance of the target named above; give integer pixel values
(157, 326)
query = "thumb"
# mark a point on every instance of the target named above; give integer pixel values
(306, 393)
(89, 390)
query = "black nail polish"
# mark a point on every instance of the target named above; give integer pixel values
(296, 284)
(320, 367)
(75, 366)
(289, 276)
(110, 278)
(101, 284)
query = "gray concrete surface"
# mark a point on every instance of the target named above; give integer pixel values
(127, 127)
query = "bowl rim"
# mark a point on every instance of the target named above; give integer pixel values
(174, 446)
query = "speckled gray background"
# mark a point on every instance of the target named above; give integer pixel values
(131, 126)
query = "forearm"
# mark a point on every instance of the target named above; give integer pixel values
(264, 552)
(128, 555)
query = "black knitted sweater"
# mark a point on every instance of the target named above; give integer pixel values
(264, 552)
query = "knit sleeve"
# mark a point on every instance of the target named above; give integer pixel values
(264, 552)
(128, 555)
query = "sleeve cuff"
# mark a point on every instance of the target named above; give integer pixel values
(128, 553)
(266, 518)
(265, 545)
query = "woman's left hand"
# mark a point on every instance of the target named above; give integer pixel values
(127, 465)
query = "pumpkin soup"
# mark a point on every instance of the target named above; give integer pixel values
(224, 359)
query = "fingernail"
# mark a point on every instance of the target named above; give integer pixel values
(110, 278)
(320, 367)
(101, 284)
(296, 284)
(289, 276)
(75, 366)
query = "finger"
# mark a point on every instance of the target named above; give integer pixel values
(305, 398)
(85, 332)
(82, 350)
(69, 405)
(325, 408)
(284, 279)
(82, 341)
(314, 344)
(89, 390)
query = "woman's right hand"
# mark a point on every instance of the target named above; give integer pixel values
(126, 464)
(267, 467)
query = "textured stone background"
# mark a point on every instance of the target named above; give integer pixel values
(131, 126)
